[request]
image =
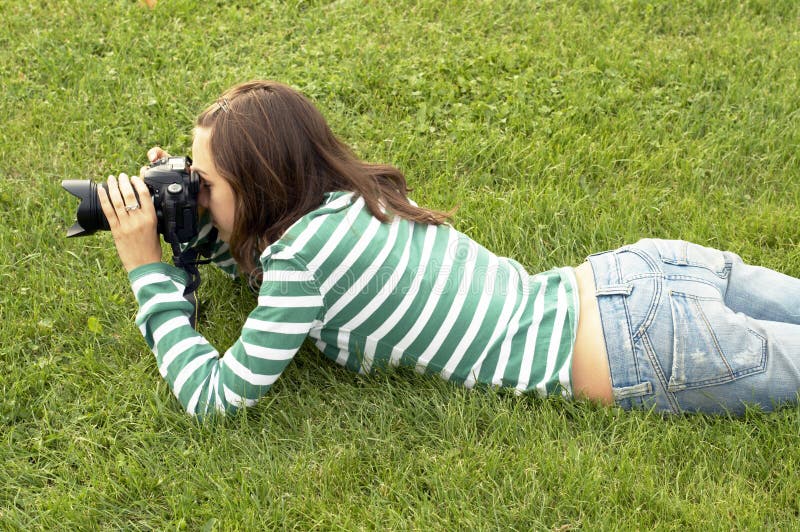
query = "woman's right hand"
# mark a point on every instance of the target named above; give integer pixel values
(153, 154)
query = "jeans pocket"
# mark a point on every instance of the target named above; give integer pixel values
(711, 343)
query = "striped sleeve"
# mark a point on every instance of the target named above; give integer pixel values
(289, 304)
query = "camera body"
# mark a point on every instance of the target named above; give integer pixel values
(173, 187)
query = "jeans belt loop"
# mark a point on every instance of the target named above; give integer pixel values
(614, 290)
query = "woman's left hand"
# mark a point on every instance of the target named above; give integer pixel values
(133, 222)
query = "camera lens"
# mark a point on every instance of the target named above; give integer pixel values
(173, 189)
(90, 217)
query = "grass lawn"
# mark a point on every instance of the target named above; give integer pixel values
(558, 129)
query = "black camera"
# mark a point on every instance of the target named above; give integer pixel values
(173, 187)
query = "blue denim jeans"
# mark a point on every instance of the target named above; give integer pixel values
(694, 329)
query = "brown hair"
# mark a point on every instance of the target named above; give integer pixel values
(280, 156)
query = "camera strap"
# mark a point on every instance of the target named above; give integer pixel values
(187, 260)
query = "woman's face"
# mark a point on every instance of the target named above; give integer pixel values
(216, 195)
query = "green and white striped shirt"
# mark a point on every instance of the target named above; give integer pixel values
(371, 295)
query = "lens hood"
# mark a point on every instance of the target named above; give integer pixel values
(90, 217)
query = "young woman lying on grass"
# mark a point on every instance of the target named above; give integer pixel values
(345, 258)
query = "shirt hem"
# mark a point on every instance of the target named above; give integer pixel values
(573, 313)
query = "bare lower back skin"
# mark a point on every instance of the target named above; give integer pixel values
(591, 378)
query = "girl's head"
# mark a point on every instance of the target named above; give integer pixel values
(269, 156)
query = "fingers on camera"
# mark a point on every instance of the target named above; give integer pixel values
(143, 192)
(126, 189)
(106, 203)
(156, 153)
(115, 191)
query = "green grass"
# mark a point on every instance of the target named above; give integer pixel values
(558, 129)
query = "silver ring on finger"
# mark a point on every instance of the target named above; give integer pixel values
(132, 207)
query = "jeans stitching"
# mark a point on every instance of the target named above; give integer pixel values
(721, 274)
(638, 276)
(651, 354)
(684, 261)
(641, 333)
(713, 337)
(655, 301)
(681, 277)
(628, 321)
(657, 274)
